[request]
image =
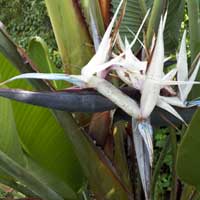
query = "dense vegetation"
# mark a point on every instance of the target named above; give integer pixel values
(27, 18)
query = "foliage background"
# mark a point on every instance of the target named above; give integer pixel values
(27, 18)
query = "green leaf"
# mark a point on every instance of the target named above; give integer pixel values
(18, 58)
(11, 182)
(42, 137)
(188, 163)
(103, 180)
(9, 142)
(173, 24)
(194, 26)
(13, 168)
(154, 21)
(135, 12)
(39, 54)
(86, 151)
(71, 34)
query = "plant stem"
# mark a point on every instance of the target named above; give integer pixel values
(174, 155)
(158, 166)
(154, 21)
(24, 190)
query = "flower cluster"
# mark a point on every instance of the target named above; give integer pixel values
(146, 75)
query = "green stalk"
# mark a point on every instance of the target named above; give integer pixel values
(174, 155)
(13, 184)
(154, 21)
(194, 26)
(158, 166)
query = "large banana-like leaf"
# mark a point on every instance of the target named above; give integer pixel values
(18, 58)
(188, 163)
(38, 52)
(135, 12)
(14, 169)
(194, 26)
(86, 151)
(42, 137)
(9, 142)
(173, 24)
(71, 34)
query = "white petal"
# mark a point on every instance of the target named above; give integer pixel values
(174, 101)
(165, 83)
(182, 66)
(137, 81)
(142, 159)
(76, 80)
(170, 75)
(140, 28)
(115, 95)
(138, 39)
(151, 90)
(101, 55)
(188, 87)
(146, 132)
(123, 76)
(162, 104)
(131, 61)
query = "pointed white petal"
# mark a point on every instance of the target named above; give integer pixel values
(174, 101)
(146, 132)
(94, 30)
(76, 80)
(115, 95)
(138, 39)
(151, 90)
(188, 87)
(142, 159)
(140, 28)
(101, 55)
(131, 61)
(165, 106)
(170, 75)
(182, 66)
(104, 66)
(165, 83)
